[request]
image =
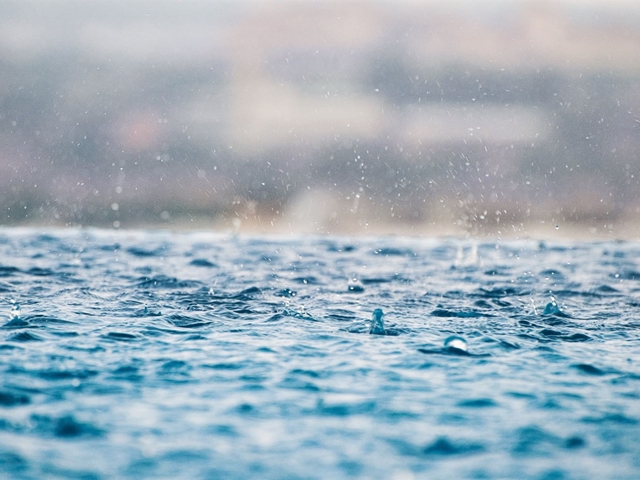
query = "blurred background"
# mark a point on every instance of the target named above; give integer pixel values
(503, 118)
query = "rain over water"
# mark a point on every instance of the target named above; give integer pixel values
(319, 240)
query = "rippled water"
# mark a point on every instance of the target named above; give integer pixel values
(140, 354)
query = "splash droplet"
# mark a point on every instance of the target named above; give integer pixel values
(552, 308)
(377, 324)
(454, 343)
(15, 312)
(355, 285)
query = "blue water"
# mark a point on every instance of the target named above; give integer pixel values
(193, 355)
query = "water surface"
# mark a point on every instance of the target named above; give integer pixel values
(193, 355)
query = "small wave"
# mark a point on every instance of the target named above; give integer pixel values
(24, 337)
(226, 366)
(615, 418)
(552, 273)
(500, 292)
(295, 383)
(394, 252)
(443, 312)
(550, 333)
(45, 320)
(9, 271)
(146, 312)
(343, 248)
(533, 440)
(343, 409)
(287, 312)
(443, 446)
(121, 336)
(127, 370)
(16, 323)
(477, 403)
(607, 290)
(12, 399)
(66, 426)
(341, 315)
(286, 293)
(248, 293)
(14, 464)
(174, 367)
(589, 369)
(184, 321)
(41, 272)
(202, 262)
(145, 253)
(162, 281)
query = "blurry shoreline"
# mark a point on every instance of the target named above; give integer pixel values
(500, 119)
(281, 227)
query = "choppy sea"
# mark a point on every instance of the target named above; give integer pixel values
(137, 354)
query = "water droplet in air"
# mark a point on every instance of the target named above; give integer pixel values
(355, 285)
(454, 343)
(15, 312)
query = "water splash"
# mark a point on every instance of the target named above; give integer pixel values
(377, 324)
(552, 308)
(302, 314)
(466, 258)
(15, 312)
(533, 305)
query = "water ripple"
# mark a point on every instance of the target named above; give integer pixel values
(196, 355)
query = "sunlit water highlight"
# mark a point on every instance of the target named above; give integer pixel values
(137, 354)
